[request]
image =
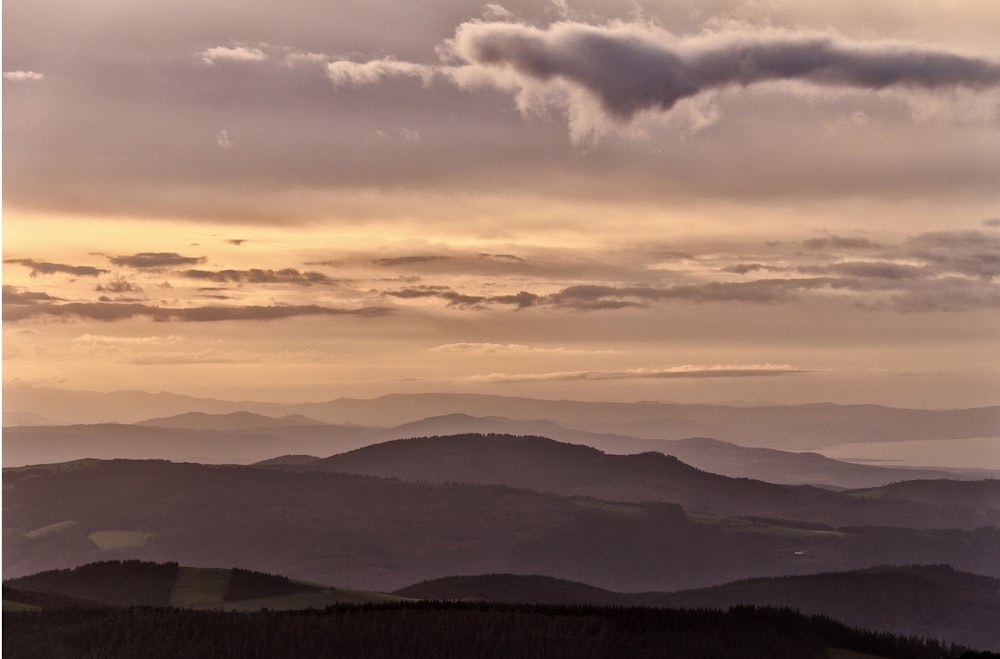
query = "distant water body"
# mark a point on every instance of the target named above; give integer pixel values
(971, 453)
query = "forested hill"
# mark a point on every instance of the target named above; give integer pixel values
(405, 631)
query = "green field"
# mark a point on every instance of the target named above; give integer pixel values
(737, 525)
(50, 529)
(200, 588)
(11, 605)
(117, 539)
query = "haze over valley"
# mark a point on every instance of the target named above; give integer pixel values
(531, 328)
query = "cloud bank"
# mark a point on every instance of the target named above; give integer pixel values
(623, 69)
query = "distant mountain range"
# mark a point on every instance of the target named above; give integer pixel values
(774, 426)
(245, 437)
(548, 466)
(383, 534)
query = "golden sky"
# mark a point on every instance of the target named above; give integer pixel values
(674, 200)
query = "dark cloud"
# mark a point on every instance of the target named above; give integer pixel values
(868, 269)
(453, 298)
(259, 276)
(839, 242)
(107, 311)
(761, 291)
(45, 268)
(502, 257)
(408, 260)
(972, 253)
(154, 260)
(16, 296)
(992, 222)
(631, 68)
(119, 285)
(948, 294)
(236, 241)
(745, 268)
(522, 300)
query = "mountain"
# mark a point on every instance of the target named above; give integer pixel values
(143, 583)
(931, 601)
(514, 589)
(728, 459)
(774, 426)
(380, 534)
(244, 437)
(415, 630)
(545, 465)
(232, 421)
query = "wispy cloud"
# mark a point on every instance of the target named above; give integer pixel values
(155, 260)
(46, 268)
(754, 370)
(261, 276)
(20, 307)
(23, 76)
(511, 348)
(232, 54)
(408, 260)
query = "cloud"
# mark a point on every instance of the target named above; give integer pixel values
(364, 73)
(949, 294)
(22, 76)
(839, 242)
(614, 72)
(453, 298)
(232, 54)
(155, 260)
(105, 340)
(630, 68)
(495, 348)
(756, 370)
(223, 140)
(746, 268)
(502, 257)
(235, 241)
(992, 222)
(259, 276)
(45, 268)
(408, 260)
(868, 270)
(108, 312)
(972, 253)
(15, 296)
(119, 285)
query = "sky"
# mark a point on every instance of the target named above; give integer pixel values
(692, 201)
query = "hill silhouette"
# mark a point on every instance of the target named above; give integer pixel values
(931, 601)
(548, 466)
(381, 534)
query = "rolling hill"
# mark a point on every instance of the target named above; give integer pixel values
(545, 465)
(143, 583)
(380, 534)
(931, 601)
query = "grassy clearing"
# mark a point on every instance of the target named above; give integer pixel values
(736, 525)
(314, 600)
(117, 539)
(200, 587)
(840, 653)
(620, 509)
(50, 529)
(11, 605)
